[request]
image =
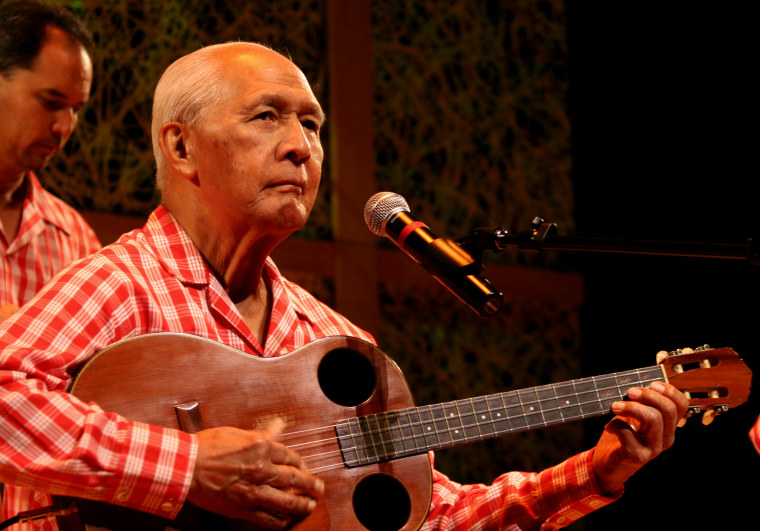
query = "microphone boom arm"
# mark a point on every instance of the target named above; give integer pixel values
(543, 236)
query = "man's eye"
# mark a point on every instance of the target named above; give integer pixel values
(312, 125)
(51, 105)
(266, 115)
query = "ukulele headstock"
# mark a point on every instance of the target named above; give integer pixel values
(714, 380)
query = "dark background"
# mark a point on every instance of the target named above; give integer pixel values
(662, 109)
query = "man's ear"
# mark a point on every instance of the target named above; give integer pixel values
(172, 140)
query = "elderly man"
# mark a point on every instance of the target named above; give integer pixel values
(45, 78)
(236, 137)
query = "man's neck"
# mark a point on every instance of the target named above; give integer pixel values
(11, 202)
(12, 189)
(256, 309)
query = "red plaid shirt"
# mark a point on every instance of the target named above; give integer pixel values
(51, 235)
(155, 280)
(754, 435)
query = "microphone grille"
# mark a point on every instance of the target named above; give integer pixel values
(379, 207)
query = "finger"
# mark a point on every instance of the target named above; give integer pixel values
(268, 519)
(644, 421)
(273, 432)
(656, 413)
(274, 429)
(626, 430)
(284, 477)
(670, 403)
(679, 399)
(275, 501)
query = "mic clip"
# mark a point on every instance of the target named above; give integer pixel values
(496, 239)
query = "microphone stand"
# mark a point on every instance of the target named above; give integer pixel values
(543, 236)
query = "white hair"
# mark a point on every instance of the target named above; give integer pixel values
(186, 89)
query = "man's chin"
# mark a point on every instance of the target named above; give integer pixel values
(293, 216)
(36, 163)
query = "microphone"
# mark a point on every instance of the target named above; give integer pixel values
(387, 214)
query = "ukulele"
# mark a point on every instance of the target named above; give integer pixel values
(350, 415)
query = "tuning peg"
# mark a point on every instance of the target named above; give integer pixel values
(663, 354)
(710, 414)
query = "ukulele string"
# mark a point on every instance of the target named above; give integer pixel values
(316, 443)
(329, 437)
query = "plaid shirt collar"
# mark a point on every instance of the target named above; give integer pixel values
(178, 254)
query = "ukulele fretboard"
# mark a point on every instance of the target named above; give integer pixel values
(411, 431)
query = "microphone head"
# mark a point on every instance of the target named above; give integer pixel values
(380, 207)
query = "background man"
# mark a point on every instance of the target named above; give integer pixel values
(45, 78)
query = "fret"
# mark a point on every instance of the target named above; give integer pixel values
(467, 414)
(607, 390)
(515, 411)
(418, 433)
(628, 379)
(529, 402)
(498, 412)
(372, 438)
(356, 439)
(567, 401)
(407, 433)
(350, 441)
(547, 402)
(653, 374)
(395, 426)
(454, 422)
(428, 427)
(441, 426)
(588, 398)
(483, 417)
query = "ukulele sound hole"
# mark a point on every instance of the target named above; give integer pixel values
(346, 377)
(381, 503)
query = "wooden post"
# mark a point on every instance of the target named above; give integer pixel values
(352, 159)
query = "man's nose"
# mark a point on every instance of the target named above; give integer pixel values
(64, 123)
(295, 145)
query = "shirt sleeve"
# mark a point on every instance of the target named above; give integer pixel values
(754, 435)
(551, 499)
(52, 441)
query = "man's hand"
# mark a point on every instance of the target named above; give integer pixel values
(642, 429)
(248, 475)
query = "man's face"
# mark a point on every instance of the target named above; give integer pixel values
(257, 151)
(39, 106)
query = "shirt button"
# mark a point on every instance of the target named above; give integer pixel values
(167, 506)
(122, 495)
(561, 520)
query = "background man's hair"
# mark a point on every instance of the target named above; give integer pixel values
(23, 30)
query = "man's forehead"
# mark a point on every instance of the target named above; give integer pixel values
(277, 80)
(270, 67)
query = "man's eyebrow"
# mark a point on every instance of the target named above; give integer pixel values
(54, 93)
(319, 113)
(273, 100)
(58, 95)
